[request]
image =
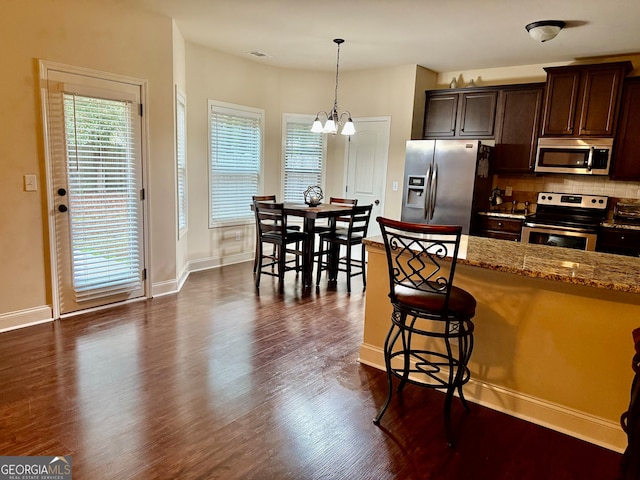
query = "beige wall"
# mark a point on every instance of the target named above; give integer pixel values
(180, 81)
(106, 36)
(221, 77)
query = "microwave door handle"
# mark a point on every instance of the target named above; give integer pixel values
(590, 159)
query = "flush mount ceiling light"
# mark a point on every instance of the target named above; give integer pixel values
(544, 30)
(334, 120)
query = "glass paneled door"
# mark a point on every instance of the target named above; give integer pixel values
(94, 130)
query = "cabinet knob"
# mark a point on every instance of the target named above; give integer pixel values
(499, 224)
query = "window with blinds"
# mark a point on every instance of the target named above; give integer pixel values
(304, 157)
(103, 195)
(181, 160)
(235, 161)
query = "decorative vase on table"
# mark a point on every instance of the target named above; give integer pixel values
(313, 196)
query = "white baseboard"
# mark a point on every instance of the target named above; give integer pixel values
(167, 287)
(214, 262)
(25, 318)
(174, 286)
(587, 427)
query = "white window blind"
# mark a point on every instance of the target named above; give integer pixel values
(181, 160)
(304, 153)
(103, 197)
(236, 157)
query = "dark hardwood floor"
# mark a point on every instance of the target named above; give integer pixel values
(220, 382)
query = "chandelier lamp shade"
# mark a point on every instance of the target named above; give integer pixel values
(334, 121)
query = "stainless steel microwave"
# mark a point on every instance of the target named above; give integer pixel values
(571, 155)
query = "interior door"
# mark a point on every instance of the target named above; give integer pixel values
(94, 129)
(367, 156)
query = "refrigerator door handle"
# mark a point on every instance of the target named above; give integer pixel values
(433, 191)
(427, 194)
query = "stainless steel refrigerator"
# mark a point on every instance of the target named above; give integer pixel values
(446, 182)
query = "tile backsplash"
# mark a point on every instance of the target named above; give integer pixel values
(584, 184)
(526, 188)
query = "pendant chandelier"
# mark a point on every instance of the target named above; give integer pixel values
(334, 120)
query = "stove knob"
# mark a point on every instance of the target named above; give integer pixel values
(543, 197)
(550, 197)
(593, 200)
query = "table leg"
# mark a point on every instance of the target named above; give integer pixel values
(334, 256)
(309, 248)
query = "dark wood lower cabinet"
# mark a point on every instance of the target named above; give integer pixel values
(503, 228)
(620, 241)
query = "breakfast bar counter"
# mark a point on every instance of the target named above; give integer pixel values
(553, 341)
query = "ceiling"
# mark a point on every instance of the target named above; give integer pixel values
(442, 35)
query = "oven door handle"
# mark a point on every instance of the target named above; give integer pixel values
(554, 230)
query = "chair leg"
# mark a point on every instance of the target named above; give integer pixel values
(319, 268)
(388, 347)
(447, 415)
(258, 269)
(282, 254)
(363, 265)
(255, 258)
(406, 349)
(349, 268)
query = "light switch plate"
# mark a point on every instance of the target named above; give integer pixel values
(30, 183)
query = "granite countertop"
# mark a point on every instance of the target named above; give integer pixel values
(615, 224)
(518, 214)
(593, 269)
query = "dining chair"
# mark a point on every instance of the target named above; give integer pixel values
(271, 223)
(341, 222)
(332, 241)
(430, 339)
(266, 198)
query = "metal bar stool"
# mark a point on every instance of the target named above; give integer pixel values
(431, 336)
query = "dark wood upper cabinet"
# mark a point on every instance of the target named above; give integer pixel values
(441, 113)
(460, 113)
(583, 100)
(626, 149)
(477, 113)
(517, 124)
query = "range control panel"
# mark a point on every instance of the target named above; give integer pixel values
(598, 202)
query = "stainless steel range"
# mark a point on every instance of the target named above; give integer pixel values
(565, 220)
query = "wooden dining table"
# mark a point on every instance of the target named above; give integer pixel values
(309, 214)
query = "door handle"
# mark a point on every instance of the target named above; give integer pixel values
(377, 202)
(590, 159)
(427, 195)
(434, 190)
(62, 208)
